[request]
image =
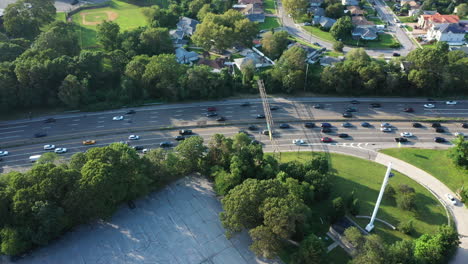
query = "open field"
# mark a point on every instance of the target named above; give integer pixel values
(270, 22)
(128, 17)
(433, 161)
(319, 33)
(350, 176)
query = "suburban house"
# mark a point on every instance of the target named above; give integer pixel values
(254, 12)
(414, 7)
(350, 2)
(427, 21)
(464, 49)
(253, 2)
(366, 33)
(453, 34)
(217, 64)
(316, 11)
(329, 61)
(316, 3)
(252, 57)
(187, 25)
(312, 55)
(185, 57)
(360, 21)
(324, 22)
(354, 11)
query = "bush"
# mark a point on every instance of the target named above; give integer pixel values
(338, 46)
(338, 209)
(406, 201)
(354, 209)
(390, 193)
(406, 227)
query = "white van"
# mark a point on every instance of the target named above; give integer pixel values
(34, 158)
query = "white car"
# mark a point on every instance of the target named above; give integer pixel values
(459, 134)
(117, 118)
(60, 150)
(452, 200)
(385, 125)
(429, 106)
(3, 153)
(49, 147)
(451, 102)
(298, 142)
(133, 137)
(406, 134)
(386, 129)
(145, 150)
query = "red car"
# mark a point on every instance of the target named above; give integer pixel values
(211, 109)
(326, 139)
(408, 110)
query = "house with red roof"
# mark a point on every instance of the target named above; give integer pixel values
(427, 21)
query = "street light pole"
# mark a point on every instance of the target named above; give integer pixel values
(370, 226)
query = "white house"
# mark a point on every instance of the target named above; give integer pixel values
(453, 34)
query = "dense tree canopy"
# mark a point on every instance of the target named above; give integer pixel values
(274, 44)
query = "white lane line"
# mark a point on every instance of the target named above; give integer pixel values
(9, 132)
(178, 115)
(154, 121)
(153, 117)
(5, 128)
(101, 117)
(102, 121)
(99, 126)
(76, 120)
(73, 124)
(10, 137)
(254, 110)
(45, 127)
(228, 112)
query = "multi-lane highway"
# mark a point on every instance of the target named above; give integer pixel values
(155, 124)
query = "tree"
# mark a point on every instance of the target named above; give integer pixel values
(206, 8)
(108, 35)
(401, 252)
(342, 28)
(373, 251)
(290, 69)
(154, 41)
(72, 92)
(274, 44)
(406, 227)
(427, 249)
(25, 18)
(355, 237)
(334, 10)
(459, 152)
(338, 46)
(191, 152)
(264, 242)
(462, 10)
(295, 7)
(406, 197)
(311, 251)
(338, 209)
(10, 51)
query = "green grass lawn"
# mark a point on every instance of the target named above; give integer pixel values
(433, 161)
(376, 20)
(269, 6)
(129, 17)
(338, 256)
(385, 41)
(270, 22)
(319, 33)
(333, 53)
(407, 19)
(60, 16)
(304, 42)
(365, 178)
(409, 28)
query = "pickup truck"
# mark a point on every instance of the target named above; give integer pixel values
(34, 158)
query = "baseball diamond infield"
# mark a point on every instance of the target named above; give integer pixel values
(96, 18)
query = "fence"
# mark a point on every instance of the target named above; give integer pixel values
(68, 15)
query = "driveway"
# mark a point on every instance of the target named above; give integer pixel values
(178, 224)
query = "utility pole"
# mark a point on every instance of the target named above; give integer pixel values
(370, 226)
(268, 118)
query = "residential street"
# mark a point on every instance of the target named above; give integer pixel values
(296, 30)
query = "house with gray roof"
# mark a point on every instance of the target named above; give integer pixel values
(316, 3)
(187, 25)
(350, 2)
(324, 22)
(329, 61)
(185, 57)
(366, 33)
(453, 33)
(316, 11)
(259, 17)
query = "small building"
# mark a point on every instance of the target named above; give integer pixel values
(217, 64)
(324, 22)
(312, 54)
(185, 57)
(329, 61)
(350, 2)
(187, 25)
(360, 21)
(260, 18)
(253, 12)
(355, 10)
(316, 3)
(366, 33)
(453, 34)
(415, 7)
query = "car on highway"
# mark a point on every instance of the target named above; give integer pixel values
(436, 124)
(416, 125)
(60, 150)
(245, 104)
(365, 124)
(34, 158)
(309, 125)
(220, 119)
(396, 54)
(3, 153)
(429, 105)
(451, 199)
(49, 120)
(130, 112)
(317, 106)
(343, 135)
(465, 125)
(440, 140)
(325, 125)
(284, 126)
(260, 116)
(255, 142)
(40, 134)
(326, 130)
(350, 109)
(386, 129)
(439, 130)
(89, 142)
(146, 150)
(408, 110)
(266, 132)
(138, 147)
(457, 134)
(185, 132)
(179, 138)
(211, 114)
(347, 115)
(451, 102)
(375, 105)
(406, 134)
(326, 139)
(401, 139)
(211, 109)
(274, 107)
(165, 144)
(133, 137)
(117, 118)
(385, 125)
(298, 142)
(347, 124)
(354, 102)
(252, 127)
(49, 147)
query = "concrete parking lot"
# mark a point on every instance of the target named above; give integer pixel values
(178, 224)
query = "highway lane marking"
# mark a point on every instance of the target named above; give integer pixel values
(101, 117)
(5, 128)
(253, 110)
(178, 115)
(10, 137)
(153, 117)
(99, 126)
(229, 112)
(9, 132)
(76, 120)
(102, 121)
(46, 127)
(179, 111)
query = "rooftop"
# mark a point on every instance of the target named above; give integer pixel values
(440, 19)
